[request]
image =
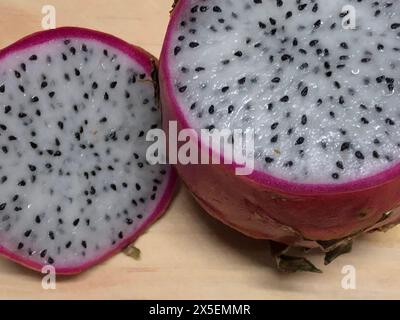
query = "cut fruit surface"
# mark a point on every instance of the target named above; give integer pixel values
(75, 186)
(321, 97)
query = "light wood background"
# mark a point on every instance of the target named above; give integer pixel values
(186, 254)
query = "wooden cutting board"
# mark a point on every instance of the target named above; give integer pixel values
(186, 254)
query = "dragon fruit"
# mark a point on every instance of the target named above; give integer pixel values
(318, 83)
(75, 186)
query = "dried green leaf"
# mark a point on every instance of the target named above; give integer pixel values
(133, 252)
(174, 5)
(343, 248)
(156, 82)
(295, 264)
(288, 263)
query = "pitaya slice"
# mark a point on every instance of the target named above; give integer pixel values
(75, 186)
(321, 97)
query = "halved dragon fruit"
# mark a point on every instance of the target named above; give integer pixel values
(322, 97)
(75, 186)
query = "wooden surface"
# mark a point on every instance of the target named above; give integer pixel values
(186, 254)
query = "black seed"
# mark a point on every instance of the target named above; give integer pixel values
(275, 138)
(76, 222)
(269, 160)
(262, 25)
(304, 92)
(364, 120)
(375, 154)
(304, 120)
(317, 24)
(3, 206)
(340, 165)
(43, 253)
(345, 146)
(113, 84)
(84, 244)
(335, 176)
(177, 50)
(225, 89)
(284, 99)
(359, 155)
(300, 141)
(288, 164)
(390, 122)
(51, 235)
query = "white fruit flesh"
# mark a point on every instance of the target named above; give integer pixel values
(322, 98)
(74, 182)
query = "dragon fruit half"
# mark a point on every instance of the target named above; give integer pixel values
(75, 186)
(318, 81)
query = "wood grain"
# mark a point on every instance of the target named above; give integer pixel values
(187, 254)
